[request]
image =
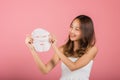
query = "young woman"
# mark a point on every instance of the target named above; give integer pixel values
(77, 54)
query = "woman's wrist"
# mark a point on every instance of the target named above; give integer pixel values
(55, 48)
(32, 49)
(53, 45)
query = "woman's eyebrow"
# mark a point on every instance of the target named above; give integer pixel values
(76, 27)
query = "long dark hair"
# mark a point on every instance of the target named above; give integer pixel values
(88, 39)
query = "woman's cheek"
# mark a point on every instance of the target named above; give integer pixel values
(79, 35)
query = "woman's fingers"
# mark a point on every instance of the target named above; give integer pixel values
(28, 39)
(52, 38)
(29, 42)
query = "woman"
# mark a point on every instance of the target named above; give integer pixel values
(77, 54)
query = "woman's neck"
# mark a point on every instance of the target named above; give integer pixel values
(76, 45)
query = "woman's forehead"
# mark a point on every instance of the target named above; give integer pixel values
(76, 23)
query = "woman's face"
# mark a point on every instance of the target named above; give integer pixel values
(75, 31)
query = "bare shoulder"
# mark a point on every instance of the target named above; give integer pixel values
(93, 51)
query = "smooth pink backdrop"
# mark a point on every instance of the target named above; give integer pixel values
(20, 17)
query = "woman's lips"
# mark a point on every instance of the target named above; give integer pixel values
(72, 35)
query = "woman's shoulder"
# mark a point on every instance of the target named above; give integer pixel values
(93, 50)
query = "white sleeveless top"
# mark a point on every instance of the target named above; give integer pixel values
(79, 74)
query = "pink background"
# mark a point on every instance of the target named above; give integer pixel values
(20, 17)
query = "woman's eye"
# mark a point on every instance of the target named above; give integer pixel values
(77, 29)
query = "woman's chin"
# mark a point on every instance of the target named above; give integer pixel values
(72, 39)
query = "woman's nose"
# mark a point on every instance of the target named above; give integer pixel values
(72, 31)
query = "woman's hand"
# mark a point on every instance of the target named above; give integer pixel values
(52, 39)
(29, 41)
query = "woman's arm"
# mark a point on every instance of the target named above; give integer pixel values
(44, 68)
(82, 61)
